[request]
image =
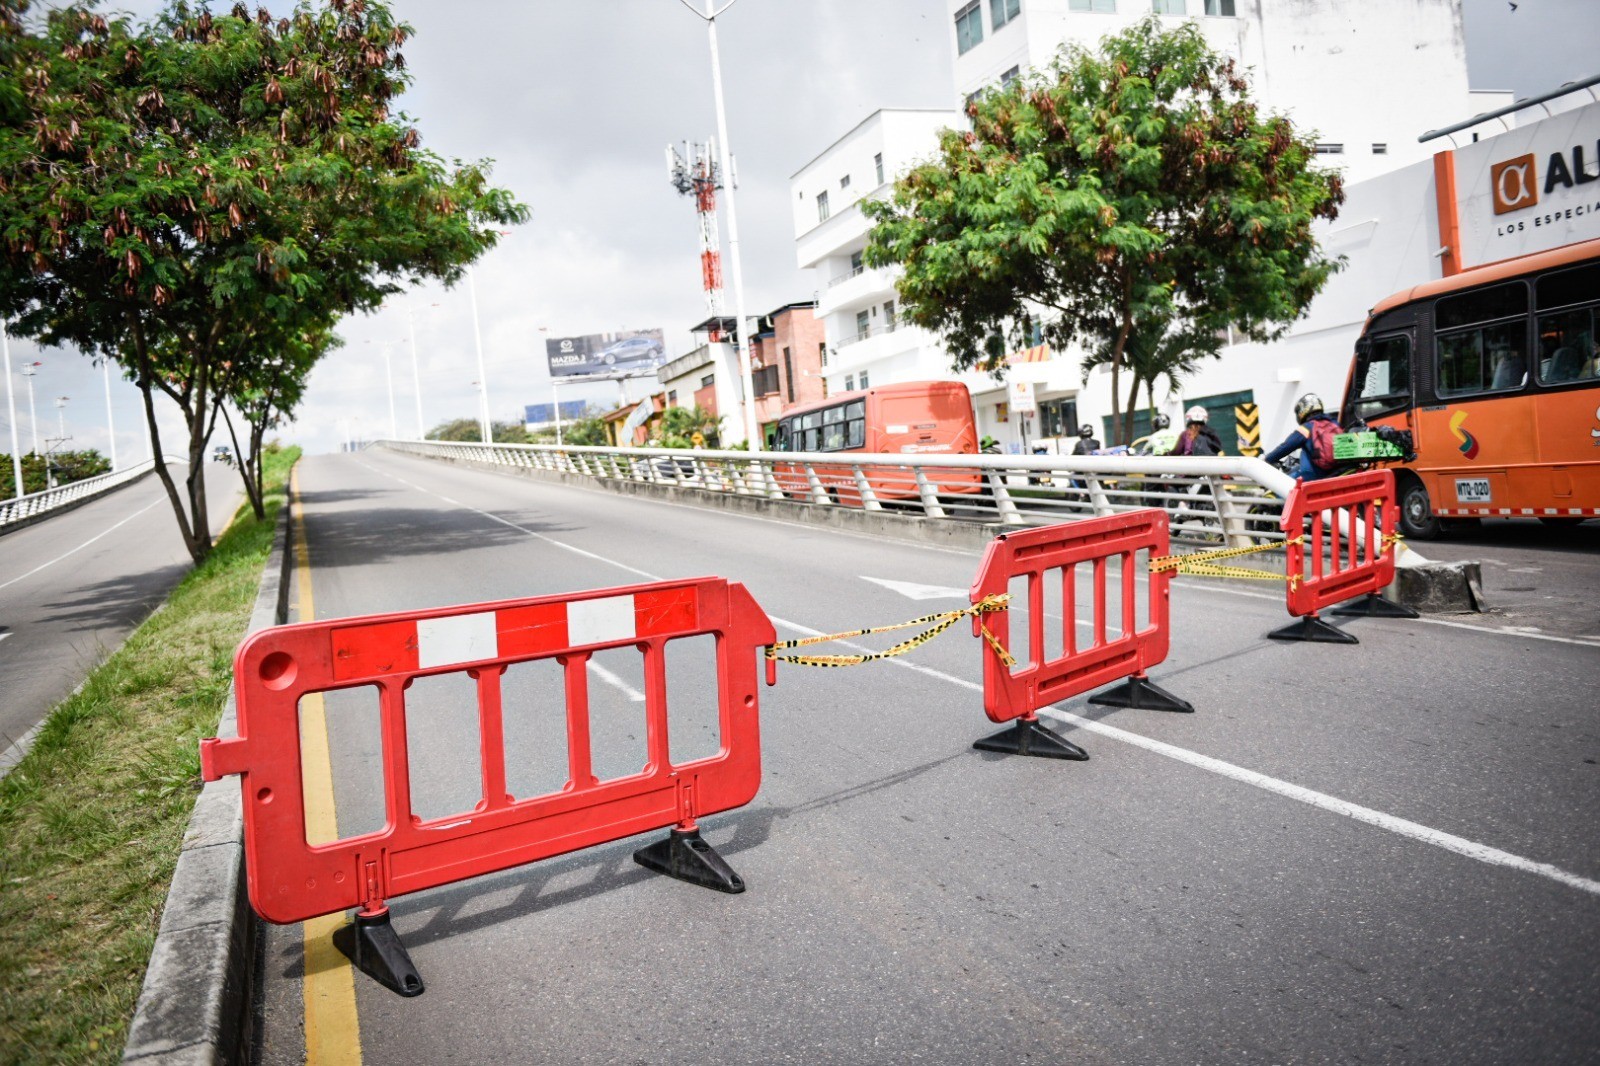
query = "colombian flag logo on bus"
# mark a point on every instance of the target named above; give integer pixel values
(1469, 443)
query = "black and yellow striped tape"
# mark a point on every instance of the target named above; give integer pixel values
(941, 622)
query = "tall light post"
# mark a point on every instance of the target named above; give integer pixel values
(416, 371)
(388, 372)
(28, 371)
(61, 438)
(483, 378)
(747, 403)
(11, 407)
(111, 426)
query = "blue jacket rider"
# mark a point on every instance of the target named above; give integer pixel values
(1307, 409)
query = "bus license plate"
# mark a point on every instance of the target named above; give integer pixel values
(1472, 490)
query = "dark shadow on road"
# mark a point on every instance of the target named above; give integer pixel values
(375, 535)
(1516, 533)
(120, 602)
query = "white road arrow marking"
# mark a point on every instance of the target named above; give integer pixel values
(913, 591)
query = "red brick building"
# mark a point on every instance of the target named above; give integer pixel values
(786, 361)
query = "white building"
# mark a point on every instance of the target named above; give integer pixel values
(1367, 75)
(866, 341)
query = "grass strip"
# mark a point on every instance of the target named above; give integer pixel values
(92, 819)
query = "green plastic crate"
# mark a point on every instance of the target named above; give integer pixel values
(1364, 446)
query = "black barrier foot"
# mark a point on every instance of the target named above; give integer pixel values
(1028, 737)
(688, 858)
(1315, 630)
(1141, 694)
(373, 945)
(1373, 605)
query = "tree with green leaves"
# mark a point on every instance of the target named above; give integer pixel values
(1156, 348)
(1136, 182)
(678, 426)
(265, 386)
(470, 429)
(173, 195)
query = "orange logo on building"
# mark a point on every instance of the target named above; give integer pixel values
(1515, 183)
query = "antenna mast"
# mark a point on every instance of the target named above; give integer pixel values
(696, 173)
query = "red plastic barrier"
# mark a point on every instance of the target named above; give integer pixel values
(1053, 553)
(1347, 551)
(290, 880)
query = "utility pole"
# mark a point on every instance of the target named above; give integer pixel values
(483, 379)
(11, 407)
(111, 426)
(416, 372)
(748, 402)
(61, 438)
(388, 372)
(28, 371)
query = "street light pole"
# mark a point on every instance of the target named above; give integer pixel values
(416, 372)
(388, 371)
(111, 426)
(11, 407)
(747, 404)
(28, 371)
(483, 379)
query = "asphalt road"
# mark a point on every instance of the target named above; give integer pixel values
(74, 586)
(1374, 853)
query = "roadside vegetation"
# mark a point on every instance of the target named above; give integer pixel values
(92, 819)
(66, 466)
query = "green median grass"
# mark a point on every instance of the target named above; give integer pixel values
(92, 819)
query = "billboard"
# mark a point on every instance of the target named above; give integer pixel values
(542, 414)
(624, 353)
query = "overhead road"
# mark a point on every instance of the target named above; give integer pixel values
(1343, 853)
(72, 587)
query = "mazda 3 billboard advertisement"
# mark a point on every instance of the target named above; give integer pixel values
(624, 353)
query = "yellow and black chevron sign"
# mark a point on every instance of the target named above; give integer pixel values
(1247, 418)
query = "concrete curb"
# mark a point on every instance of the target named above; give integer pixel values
(195, 1006)
(1430, 588)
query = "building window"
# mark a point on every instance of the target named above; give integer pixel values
(1099, 7)
(888, 315)
(707, 381)
(1379, 148)
(1009, 77)
(849, 383)
(974, 96)
(877, 164)
(1168, 7)
(1329, 148)
(672, 400)
(1223, 8)
(788, 374)
(862, 382)
(844, 182)
(822, 207)
(1003, 11)
(765, 380)
(822, 355)
(969, 28)
(861, 324)
(855, 262)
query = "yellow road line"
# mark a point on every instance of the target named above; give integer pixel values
(333, 1031)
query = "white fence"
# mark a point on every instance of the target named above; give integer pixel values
(13, 511)
(1236, 501)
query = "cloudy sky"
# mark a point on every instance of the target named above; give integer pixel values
(575, 103)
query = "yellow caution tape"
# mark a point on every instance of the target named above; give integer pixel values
(1204, 564)
(941, 622)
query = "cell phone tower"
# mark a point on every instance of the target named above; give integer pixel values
(696, 173)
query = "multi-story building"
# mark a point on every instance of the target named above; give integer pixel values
(866, 340)
(786, 360)
(1367, 75)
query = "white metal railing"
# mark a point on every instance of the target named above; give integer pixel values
(840, 279)
(1217, 501)
(35, 503)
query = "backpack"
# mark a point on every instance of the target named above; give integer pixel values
(1320, 443)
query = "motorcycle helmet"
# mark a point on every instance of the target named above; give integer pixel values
(1086, 431)
(1196, 414)
(1161, 421)
(1306, 406)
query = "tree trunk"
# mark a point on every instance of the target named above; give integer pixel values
(248, 467)
(1133, 404)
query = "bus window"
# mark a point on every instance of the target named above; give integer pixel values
(809, 424)
(1567, 338)
(1383, 378)
(855, 424)
(833, 429)
(783, 436)
(1479, 354)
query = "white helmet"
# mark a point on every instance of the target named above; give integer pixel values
(1196, 414)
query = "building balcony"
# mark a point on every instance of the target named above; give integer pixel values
(856, 290)
(845, 229)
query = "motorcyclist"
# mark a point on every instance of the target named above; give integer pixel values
(1086, 445)
(1307, 412)
(1197, 438)
(1163, 437)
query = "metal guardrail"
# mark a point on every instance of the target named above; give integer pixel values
(1216, 501)
(20, 509)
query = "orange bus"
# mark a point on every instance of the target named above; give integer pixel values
(915, 418)
(1496, 373)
